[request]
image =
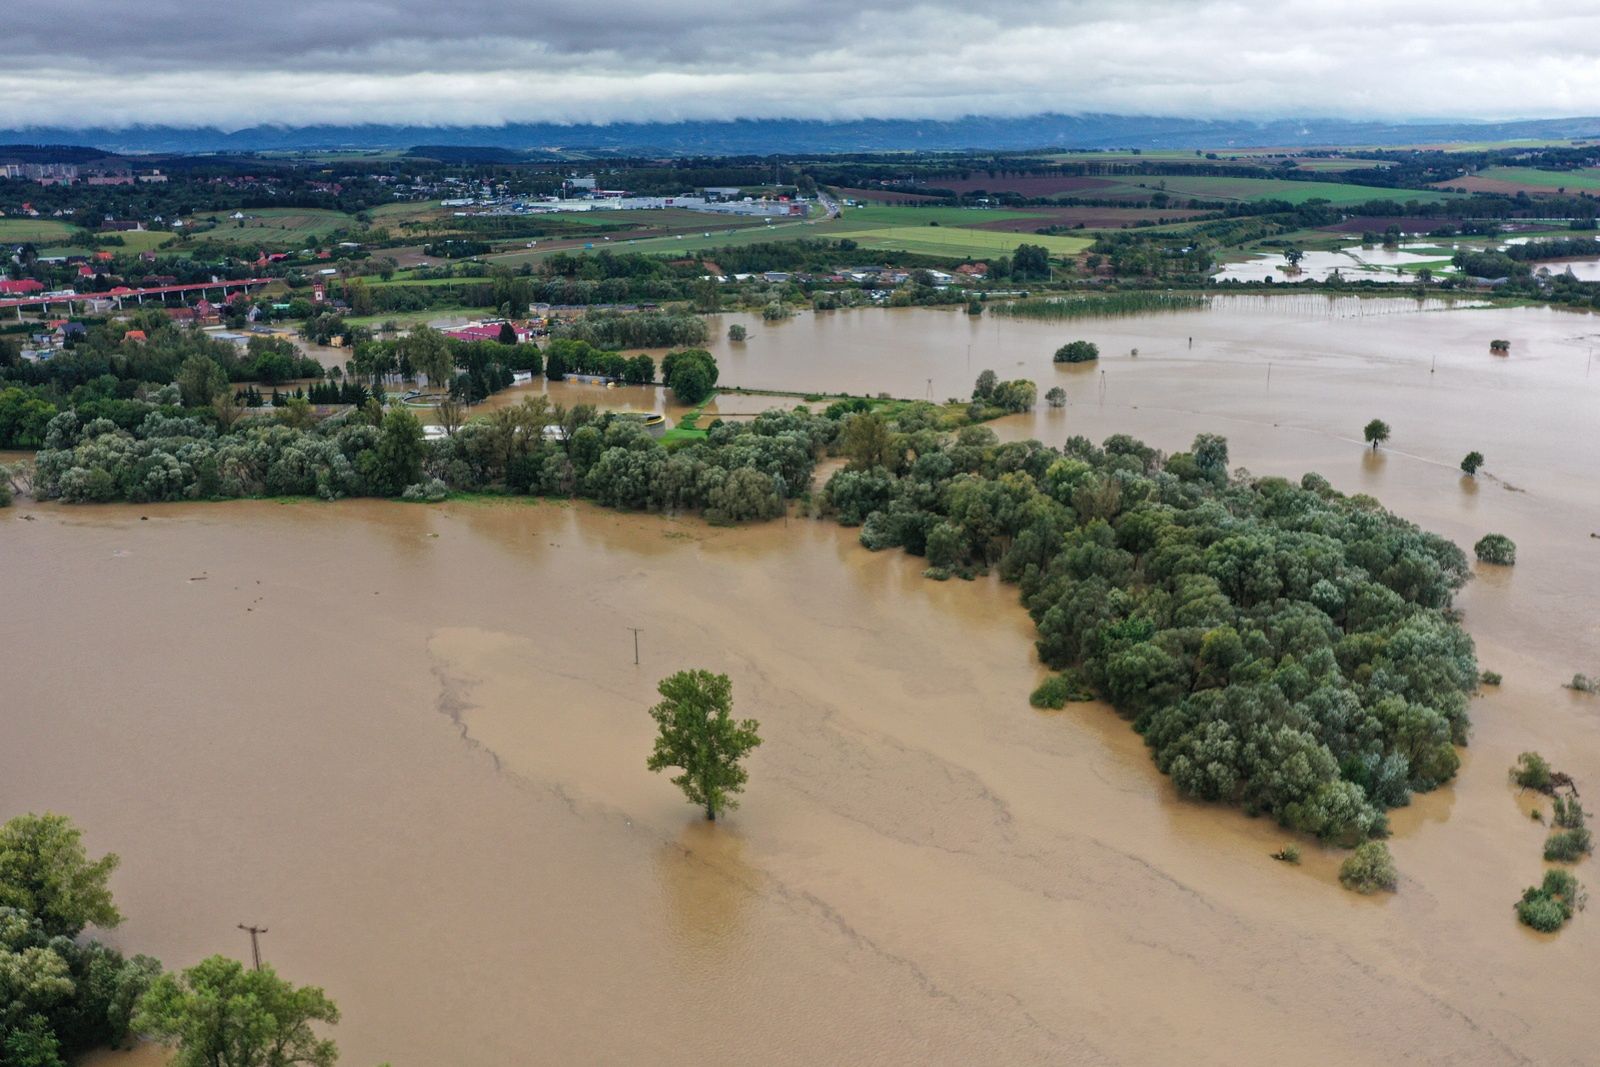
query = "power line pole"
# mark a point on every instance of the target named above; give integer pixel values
(255, 945)
(635, 630)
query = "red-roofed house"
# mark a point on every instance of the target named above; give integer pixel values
(489, 331)
(134, 335)
(21, 287)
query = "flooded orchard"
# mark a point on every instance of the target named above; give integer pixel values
(410, 741)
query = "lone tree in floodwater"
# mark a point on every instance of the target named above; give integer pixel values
(1471, 462)
(699, 734)
(1376, 433)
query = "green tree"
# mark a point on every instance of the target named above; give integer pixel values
(44, 870)
(1056, 397)
(1077, 352)
(218, 1014)
(1376, 432)
(1496, 548)
(868, 442)
(691, 374)
(1030, 261)
(737, 332)
(399, 452)
(429, 353)
(697, 732)
(1369, 869)
(1471, 462)
(1532, 771)
(200, 379)
(508, 334)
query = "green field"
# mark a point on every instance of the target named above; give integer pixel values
(277, 226)
(887, 229)
(37, 231)
(143, 241)
(1587, 178)
(1245, 189)
(879, 216)
(958, 242)
(912, 229)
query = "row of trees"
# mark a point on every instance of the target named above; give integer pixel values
(737, 473)
(1280, 647)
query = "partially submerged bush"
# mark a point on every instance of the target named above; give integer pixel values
(1531, 772)
(1496, 548)
(1568, 846)
(1287, 854)
(1369, 869)
(1569, 813)
(432, 491)
(1056, 690)
(1489, 678)
(1584, 684)
(1547, 906)
(1077, 352)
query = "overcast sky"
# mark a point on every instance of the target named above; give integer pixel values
(89, 62)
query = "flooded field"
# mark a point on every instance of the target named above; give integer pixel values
(410, 740)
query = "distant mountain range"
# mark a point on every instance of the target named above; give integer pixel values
(795, 136)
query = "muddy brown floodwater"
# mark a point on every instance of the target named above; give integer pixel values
(410, 741)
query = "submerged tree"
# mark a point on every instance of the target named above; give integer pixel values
(1376, 433)
(1496, 548)
(45, 871)
(217, 1014)
(1078, 352)
(1471, 462)
(697, 732)
(1056, 397)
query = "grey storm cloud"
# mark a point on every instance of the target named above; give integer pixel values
(94, 62)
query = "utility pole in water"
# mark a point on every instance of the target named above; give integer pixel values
(255, 945)
(635, 630)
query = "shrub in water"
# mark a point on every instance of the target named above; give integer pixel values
(1370, 869)
(1569, 813)
(1496, 548)
(1056, 690)
(1078, 352)
(1531, 771)
(1568, 846)
(1547, 906)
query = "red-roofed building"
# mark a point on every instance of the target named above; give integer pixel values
(134, 335)
(86, 271)
(21, 287)
(104, 257)
(489, 331)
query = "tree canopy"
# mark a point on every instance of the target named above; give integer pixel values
(1077, 352)
(1279, 646)
(219, 1014)
(698, 733)
(45, 871)
(60, 994)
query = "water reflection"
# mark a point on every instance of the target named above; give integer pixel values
(706, 887)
